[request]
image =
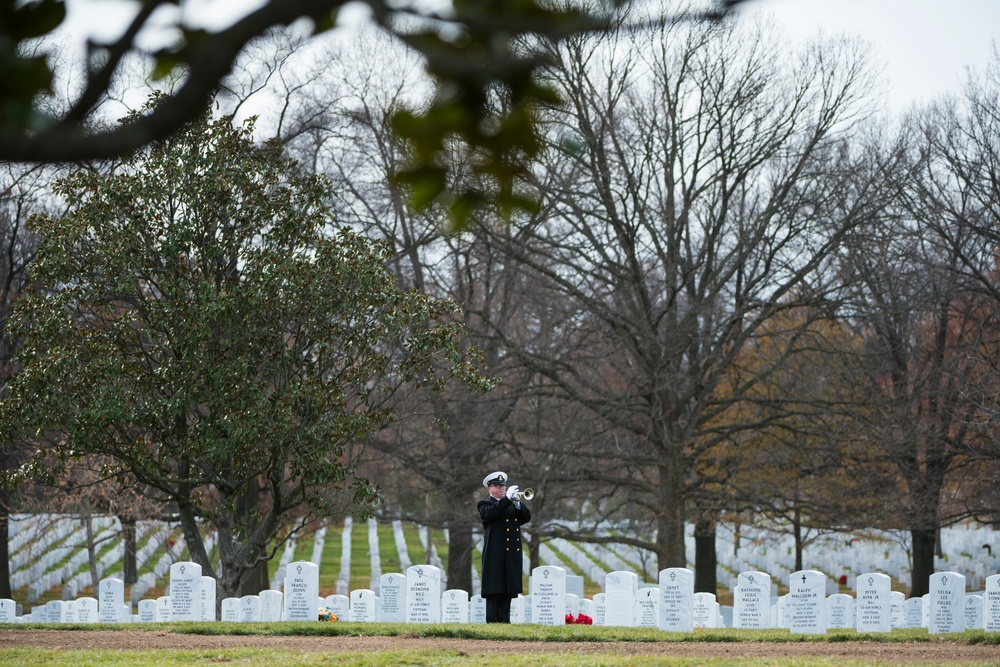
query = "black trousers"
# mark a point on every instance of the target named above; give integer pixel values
(498, 608)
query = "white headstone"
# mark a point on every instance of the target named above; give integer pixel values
(56, 611)
(874, 607)
(704, 610)
(574, 585)
(423, 594)
(548, 595)
(752, 601)
(973, 612)
(477, 609)
(206, 598)
(185, 591)
(517, 610)
(806, 606)
(111, 597)
(86, 610)
(946, 605)
(898, 602)
(163, 608)
(340, 605)
(621, 591)
(840, 611)
(676, 599)
(272, 606)
(8, 610)
(648, 608)
(250, 609)
(600, 608)
(587, 608)
(363, 606)
(455, 606)
(231, 610)
(147, 611)
(991, 604)
(572, 604)
(301, 591)
(392, 593)
(914, 609)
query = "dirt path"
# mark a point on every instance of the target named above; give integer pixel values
(900, 653)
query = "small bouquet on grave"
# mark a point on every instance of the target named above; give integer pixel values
(581, 619)
(326, 614)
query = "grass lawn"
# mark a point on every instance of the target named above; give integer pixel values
(596, 646)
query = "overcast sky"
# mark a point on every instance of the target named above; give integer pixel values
(925, 44)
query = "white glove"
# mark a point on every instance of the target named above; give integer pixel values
(512, 492)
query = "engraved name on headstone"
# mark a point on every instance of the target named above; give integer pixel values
(423, 594)
(874, 606)
(185, 591)
(548, 595)
(752, 601)
(676, 599)
(806, 602)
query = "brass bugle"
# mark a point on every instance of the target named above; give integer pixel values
(527, 494)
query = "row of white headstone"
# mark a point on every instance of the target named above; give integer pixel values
(670, 605)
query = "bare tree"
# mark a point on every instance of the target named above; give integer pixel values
(690, 186)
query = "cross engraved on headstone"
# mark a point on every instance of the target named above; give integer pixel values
(545, 573)
(871, 581)
(803, 578)
(944, 580)
(298, 569)
(673, 576)
(182, 568)
(750, 579)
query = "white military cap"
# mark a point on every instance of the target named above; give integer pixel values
(495, 478)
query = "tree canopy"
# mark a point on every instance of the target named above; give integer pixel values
(196, 323)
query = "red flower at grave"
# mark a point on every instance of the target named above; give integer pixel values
(581, 619)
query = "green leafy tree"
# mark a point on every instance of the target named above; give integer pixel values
(200, 326)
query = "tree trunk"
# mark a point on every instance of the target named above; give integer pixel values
(705, 562)
(5, 502)
(95, 577)
(923, 560)
(670, 522)
(257, 579)
(129, 568)
(797, 531)
(460, 556)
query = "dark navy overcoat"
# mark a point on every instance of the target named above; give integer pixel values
(502, 556)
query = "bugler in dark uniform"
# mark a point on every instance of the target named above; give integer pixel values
(502, 514)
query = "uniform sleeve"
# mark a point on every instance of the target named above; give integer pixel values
(523, 514)
(490, 511)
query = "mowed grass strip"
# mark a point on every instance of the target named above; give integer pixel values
(524, 633)
(250, 656)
